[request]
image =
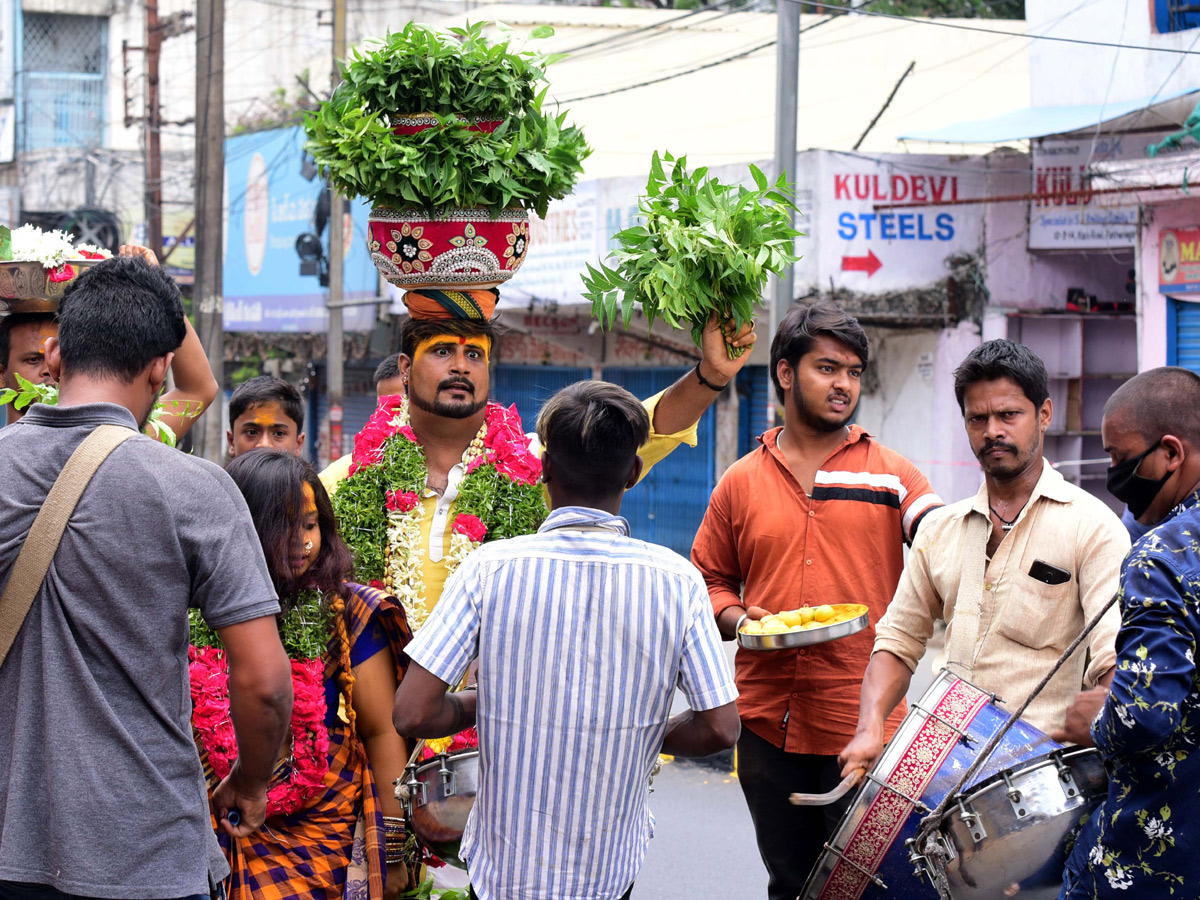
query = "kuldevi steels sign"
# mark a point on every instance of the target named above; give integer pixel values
(883, 223)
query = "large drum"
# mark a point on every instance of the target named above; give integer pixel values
(1044, 790)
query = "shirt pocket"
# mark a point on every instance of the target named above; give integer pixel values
(1040, 616)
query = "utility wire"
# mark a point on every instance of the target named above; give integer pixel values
(946, 24)
(708, 65)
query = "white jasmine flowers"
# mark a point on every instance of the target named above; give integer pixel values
(50, 248)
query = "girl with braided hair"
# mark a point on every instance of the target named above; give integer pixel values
(337, 833)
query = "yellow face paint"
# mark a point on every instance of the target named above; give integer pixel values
(264, 422)
(481, 344)
(310, 499)
(44, 333)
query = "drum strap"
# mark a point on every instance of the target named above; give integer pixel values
(963, 639)
(41, 544)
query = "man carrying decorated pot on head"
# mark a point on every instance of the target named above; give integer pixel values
(439, 471)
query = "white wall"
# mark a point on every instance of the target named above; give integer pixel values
(1063, 74)
(911, 408)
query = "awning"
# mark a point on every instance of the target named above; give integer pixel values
(1166, 112)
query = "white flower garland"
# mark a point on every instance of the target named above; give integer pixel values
(405, 551)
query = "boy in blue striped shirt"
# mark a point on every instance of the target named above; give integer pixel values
(582, 634)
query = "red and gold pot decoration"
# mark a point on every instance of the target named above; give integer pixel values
(412, 123)
(466, 249)
(27, 286)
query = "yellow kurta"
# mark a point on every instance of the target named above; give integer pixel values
(439, 510)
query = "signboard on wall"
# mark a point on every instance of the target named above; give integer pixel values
(886, 223)
(270, 204)
(1179, 260)
(1083, 221)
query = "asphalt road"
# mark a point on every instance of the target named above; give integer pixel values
(703, 846)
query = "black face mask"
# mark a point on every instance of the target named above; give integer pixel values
(1132, 489)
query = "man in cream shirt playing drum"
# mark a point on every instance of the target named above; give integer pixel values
(1016, 571)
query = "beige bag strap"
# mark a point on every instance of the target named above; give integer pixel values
(962, 640)
(33, 562)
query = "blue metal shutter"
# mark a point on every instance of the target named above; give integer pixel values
(356, 409)
(755, 410)
(667, 506)
(531, 386)
(1185, 335)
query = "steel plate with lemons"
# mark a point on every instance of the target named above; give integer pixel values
(802, 627)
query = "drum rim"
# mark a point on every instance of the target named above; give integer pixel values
(1038, 762)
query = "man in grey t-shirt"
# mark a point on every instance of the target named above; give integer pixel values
(101, 791)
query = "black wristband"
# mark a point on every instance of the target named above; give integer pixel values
(708, 384)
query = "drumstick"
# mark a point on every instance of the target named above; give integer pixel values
(830, 796)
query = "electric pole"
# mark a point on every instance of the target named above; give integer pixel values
(335, 360)
(153, 186)
(208, 299)
(787, 77)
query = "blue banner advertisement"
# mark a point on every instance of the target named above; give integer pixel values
(269, 203)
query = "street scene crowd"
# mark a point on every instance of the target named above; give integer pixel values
(186, 647)
(443, 665)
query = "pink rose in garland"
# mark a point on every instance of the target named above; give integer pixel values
(209, 676)
(471, 527)
(368, 443)
(401, 501)
(509, 447)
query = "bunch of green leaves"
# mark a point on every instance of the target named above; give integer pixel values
(5, 243)
(531, 158)
(420, 70)
(426, 891)
(305, 627)
(703, 247)
(27, 393)
(160, 430)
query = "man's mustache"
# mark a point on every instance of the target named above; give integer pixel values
(451, 383)
(996, 445)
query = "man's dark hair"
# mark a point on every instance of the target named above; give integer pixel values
(15, 320)
(266, 389)
(1160, 401)
(996, 359)
(414, 331)
(389, 368)
(800, 328)
(118, 317)
(591, 431)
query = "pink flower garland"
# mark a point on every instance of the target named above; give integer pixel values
(310, 740)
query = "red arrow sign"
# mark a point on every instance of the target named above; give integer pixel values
(869, 263)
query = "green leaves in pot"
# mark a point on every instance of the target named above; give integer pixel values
(703, 247)
(533, 157)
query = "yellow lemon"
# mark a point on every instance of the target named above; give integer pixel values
(752, 626)
(806, 615)
(823, 613)
(792, 617)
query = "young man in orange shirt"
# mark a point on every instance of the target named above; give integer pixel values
(818, 514)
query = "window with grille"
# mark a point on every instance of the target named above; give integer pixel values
(1176, 15)
(62, 80)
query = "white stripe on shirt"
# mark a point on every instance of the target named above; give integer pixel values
(870, 479)
(582, 637)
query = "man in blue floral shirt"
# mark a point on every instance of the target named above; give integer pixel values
(1144, 841)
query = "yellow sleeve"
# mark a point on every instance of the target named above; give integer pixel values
(659, 446)
(335, 473)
